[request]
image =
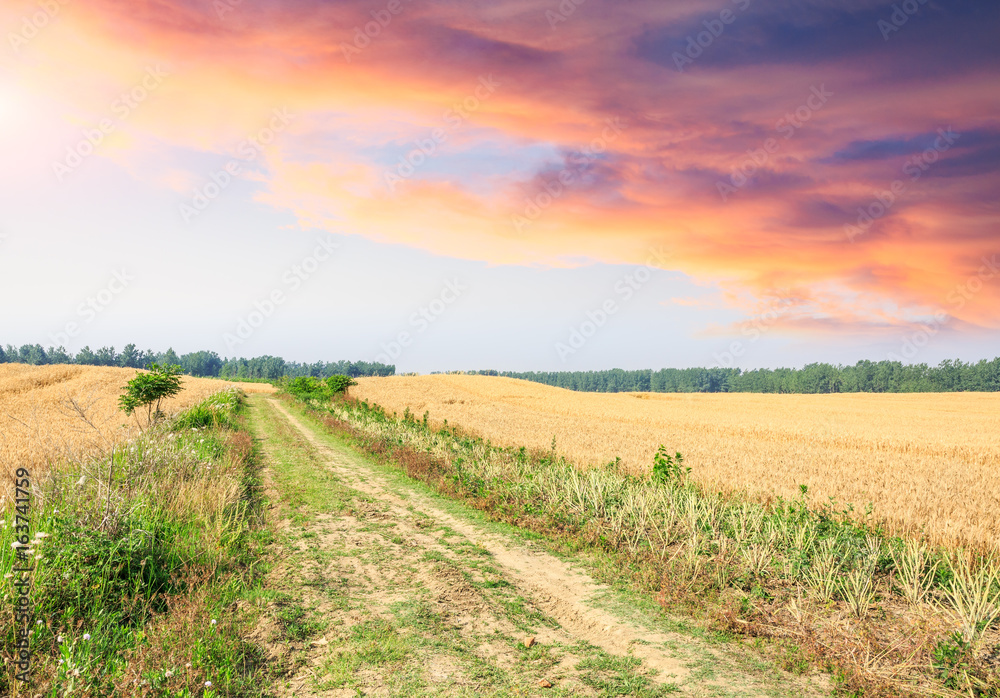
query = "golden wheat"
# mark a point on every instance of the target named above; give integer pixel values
(924, 461)
(41, 406)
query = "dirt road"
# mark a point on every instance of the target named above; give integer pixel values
(395, 591)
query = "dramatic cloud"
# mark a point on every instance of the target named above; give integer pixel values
(771, 146)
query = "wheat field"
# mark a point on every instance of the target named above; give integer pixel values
(924, 461)
(40, 412)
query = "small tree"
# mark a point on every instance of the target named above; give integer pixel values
(339, 383)
(149, 389)
(669, 469)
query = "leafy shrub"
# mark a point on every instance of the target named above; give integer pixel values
(312, 388)
(339, 383)
(667, 468)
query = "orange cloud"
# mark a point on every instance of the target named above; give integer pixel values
(657, 179)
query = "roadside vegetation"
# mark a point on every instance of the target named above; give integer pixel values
(926, 464)
(885, 615)
(143, 555)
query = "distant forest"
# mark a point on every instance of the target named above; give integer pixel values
(863, 377)
(199, 363)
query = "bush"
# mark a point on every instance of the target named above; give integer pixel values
(312, 388)
(339, 383)
(667, 468)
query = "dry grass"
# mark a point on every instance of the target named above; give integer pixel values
(923, 460)
(39, 420)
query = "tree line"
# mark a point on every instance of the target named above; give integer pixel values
(198, 363)
(863, 377)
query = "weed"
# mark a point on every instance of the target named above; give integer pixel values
(666, 468)
(974, 594)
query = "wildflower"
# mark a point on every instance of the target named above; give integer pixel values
(86, 636)
(188, 665)
(59, 638)
(168, 673)
(208, 684)
(38, 622)
(214, 621)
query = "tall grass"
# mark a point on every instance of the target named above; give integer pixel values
(739, 565)
(140, 551)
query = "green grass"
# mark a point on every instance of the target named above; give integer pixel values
(617, 676)
(297, 623)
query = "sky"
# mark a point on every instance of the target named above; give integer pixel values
(511, 185)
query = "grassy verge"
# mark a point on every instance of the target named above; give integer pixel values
(142, 557)
(886, 616)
